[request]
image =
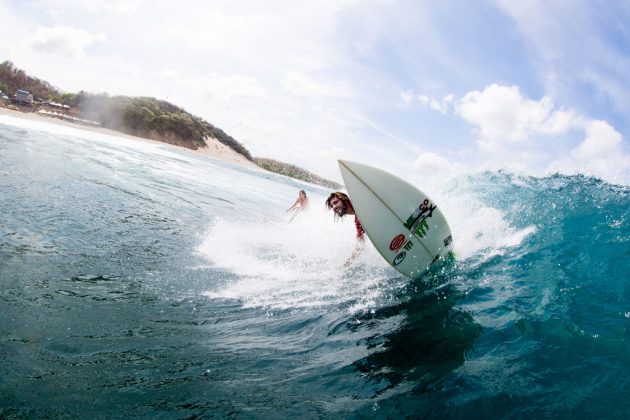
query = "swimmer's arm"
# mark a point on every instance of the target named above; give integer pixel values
(294, 205)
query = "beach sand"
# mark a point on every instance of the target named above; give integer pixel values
(215, 149)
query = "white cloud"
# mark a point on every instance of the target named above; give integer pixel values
(440, 105)
(221, 89)
(601, 154)
(122, 7)
(504, 116)
(301, 84)
(63, 40)
(217, 31)
(602, 142)
(431, 164)
(407, 96)
(55, 13)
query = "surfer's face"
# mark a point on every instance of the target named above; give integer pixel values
(338, 206)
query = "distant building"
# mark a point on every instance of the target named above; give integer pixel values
(58, 105)
(22, 97)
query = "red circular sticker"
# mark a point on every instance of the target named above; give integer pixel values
(397, 242)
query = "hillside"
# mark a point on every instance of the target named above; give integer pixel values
(152, 118)
(295, 172)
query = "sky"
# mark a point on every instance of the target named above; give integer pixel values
(422, 88)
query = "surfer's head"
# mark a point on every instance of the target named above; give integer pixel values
(302, 193)
(339, 203)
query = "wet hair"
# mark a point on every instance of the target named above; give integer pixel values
(302, 192)
(343, 197)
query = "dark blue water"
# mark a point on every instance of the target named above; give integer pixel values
(144, 281)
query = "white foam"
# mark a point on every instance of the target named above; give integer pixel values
(297, 265)
(479, 230)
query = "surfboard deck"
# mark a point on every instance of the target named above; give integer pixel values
(404, 224)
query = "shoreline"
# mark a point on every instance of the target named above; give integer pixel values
(215, 149)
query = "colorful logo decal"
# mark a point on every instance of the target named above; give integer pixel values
(399, 258)
(397, 242)
(417, 222)
(421, 228)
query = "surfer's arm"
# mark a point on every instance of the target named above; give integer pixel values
(357, 251)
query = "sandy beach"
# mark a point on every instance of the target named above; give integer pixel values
(215, 149)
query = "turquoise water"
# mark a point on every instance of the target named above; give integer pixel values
(139, 280)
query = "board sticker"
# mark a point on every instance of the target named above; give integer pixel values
(397, 243)
(417, 222)
(399, 258)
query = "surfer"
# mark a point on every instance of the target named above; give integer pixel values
(340, 203)
(300, 204)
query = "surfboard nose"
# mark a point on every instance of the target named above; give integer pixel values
(342, 163)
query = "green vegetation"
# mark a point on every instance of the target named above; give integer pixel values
(12, 79)
(144, 117)
(295, 172)
(152, 118)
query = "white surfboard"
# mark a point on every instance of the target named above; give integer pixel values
(405, 226)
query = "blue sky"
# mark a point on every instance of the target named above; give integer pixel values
(419, 88)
